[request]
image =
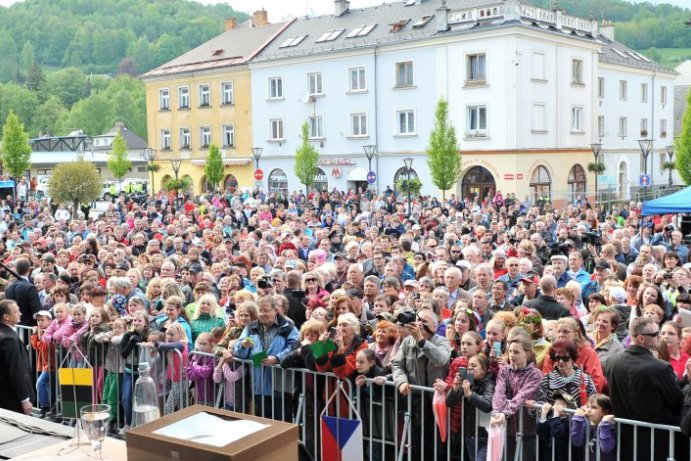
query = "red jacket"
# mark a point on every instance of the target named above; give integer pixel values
(456, 410)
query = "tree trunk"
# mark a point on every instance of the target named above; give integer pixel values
(75, 210)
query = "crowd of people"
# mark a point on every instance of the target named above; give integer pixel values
(510, 309)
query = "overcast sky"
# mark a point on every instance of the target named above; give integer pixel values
(281, 9)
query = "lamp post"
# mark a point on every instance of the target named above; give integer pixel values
(150, 156)
(645, 145)
(670, 154)
(257, 154)
(176, 163)
(596, 147)
(370, 151)
(408, 161)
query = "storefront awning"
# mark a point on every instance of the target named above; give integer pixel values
(226, 161)
(357, 174)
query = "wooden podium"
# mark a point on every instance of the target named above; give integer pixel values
(277, 442)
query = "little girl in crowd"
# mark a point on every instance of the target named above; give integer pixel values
(93, 342)
(176, 339)
(200, 370)
(598, 415)
(226, 370)
(56, 330)
(114, 366)
(73, 331)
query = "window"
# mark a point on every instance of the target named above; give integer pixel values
(357, 79)
(165, 139)
(358, 124)
(577, 119)
(361, 31)
(404, 74)
(292, 41)
(205, 134)
(406, 122)
(164, 99)
(316, 126)
(663, 128)
(477, 118)
(538, 66)
(330, 35)
(600, 87)
(277, 129)
(663, 95)
(538, 118)
(228, 135)
(577, 72)
(204, 96)
(275, 88)
(314, 84)
(185, 138)
(227, 93)
(184, 97)
(622, 126)
(644, 127)
(623, 89)
(476, 71)
(601, 126)
(644, 92)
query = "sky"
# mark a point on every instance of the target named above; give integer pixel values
(282, 9)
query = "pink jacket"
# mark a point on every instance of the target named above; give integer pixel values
(231, 376)
(73, 332)
(56, 330)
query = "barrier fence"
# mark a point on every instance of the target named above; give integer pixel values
(394, 426)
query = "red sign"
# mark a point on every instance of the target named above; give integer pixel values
(519, 176)
(508, 176)
(258, 174)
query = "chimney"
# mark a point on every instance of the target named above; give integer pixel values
(230, 23)
(260, 18)
(607, 30)
(341, 7)
(442, 17)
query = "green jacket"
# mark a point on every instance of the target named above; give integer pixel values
(204, 324)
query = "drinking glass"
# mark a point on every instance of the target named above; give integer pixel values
(94, 419)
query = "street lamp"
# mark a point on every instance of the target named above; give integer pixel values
(645, 145)
(670, 154)
(176, 163)
(408, 161)
(257, 154)
(370, 151)
(150, 156)
(596, 146)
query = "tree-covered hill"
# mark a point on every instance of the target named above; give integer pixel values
(99, 36)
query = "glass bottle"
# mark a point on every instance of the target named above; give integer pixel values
(145, 407)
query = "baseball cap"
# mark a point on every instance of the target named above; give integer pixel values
(463, 264)
(386, 316)
(602, 264)
(411, 283)
(530, 278)
(618, 293)
(196, 268)
(43, 314)
(340, 255)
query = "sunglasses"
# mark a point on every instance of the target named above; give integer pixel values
(652, 335)
(561, 358)
(310, 280)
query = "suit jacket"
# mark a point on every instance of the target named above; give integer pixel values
(646, 389)
(548, 307)
(15, 371)
(25, 294)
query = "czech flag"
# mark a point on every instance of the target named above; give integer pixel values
(341, 439)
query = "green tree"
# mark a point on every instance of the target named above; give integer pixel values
(306, 158)
(682, 145)
(74, 183)
(28, 57)
(16, 152)
(48, 117)
(118, 163)
(92, 115)
(8, 57)
(214, 169)
(68, 85)
(443, 158)
(35, 79)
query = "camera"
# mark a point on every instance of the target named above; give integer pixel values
(265, 282)
(593, 237)
(666, 275)
(405, 318)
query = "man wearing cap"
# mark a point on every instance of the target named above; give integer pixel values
(528, 289)
(546, 303)
(644, 237)
(467, 282)
(559, 265)
(341, 269)
(602, 269)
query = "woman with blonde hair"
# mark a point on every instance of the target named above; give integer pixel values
(572, 330)
(313, 286)
(153, 294)
(207, 316)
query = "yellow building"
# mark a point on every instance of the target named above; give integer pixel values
(204, 97)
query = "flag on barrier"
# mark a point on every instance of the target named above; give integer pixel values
(341, 437)
(76, 387)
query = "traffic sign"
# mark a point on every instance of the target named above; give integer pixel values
(644, 180)
(371, 177)
(258, 174)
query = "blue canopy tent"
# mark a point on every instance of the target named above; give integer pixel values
(678, 202)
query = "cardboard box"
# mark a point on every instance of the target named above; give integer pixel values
(279, 442)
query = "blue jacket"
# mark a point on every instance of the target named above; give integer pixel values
(158, 322)
(282, 344)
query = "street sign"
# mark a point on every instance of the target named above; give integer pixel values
(258, 174)
(644, 180)
(371, 177)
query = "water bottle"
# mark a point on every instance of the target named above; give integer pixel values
(145, 408)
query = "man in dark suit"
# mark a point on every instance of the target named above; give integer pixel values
(546, 304)
(15, 368)
(643, 388)
(24, 293)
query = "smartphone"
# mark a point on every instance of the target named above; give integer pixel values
(463, 373)
(332, 333)
(471, 377)
(497, 348)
